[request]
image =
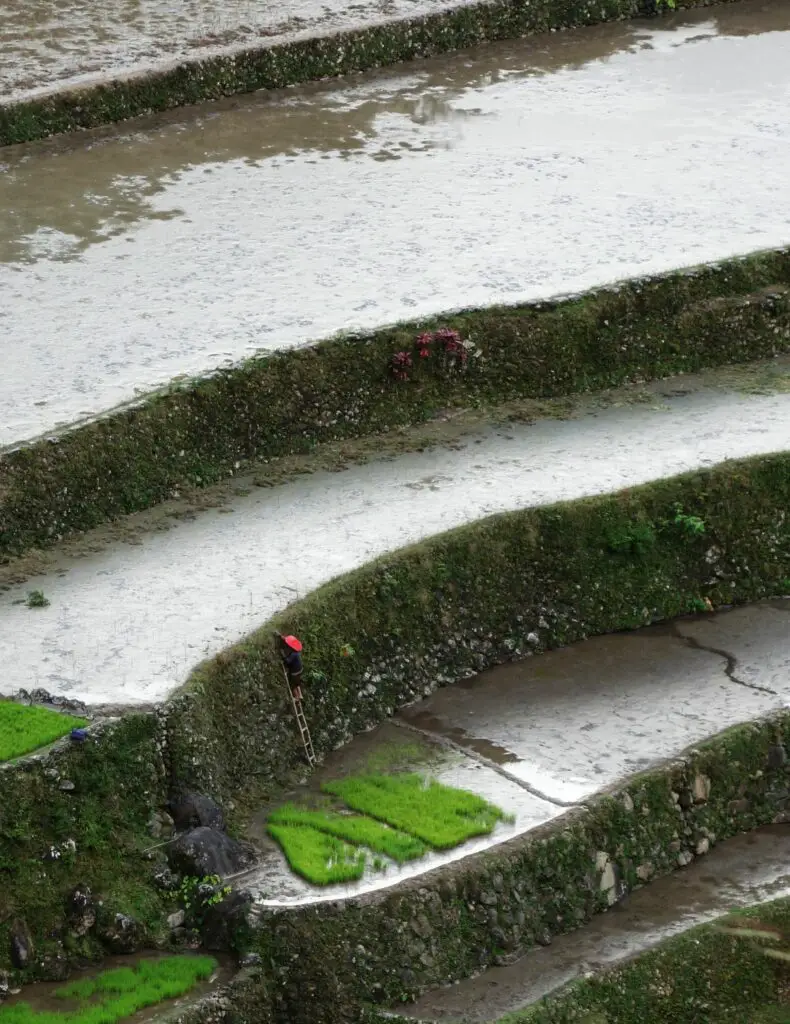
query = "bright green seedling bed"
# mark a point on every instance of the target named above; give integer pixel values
(23, 728)
(402, 817)
(439, 815)
(117, 994)
(320, 858)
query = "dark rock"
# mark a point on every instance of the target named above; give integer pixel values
(166, 880)
(777, 756)
(81, 911)
(66, 786)
(205, 851)
(121, 933)
(5, 985)
(225, 924)
(22, 951)
(191, 810)
(251, 960)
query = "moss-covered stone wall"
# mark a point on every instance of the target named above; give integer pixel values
(328, 960)
(273, 67)
(477, 596)
(289, 402)
(374, 640)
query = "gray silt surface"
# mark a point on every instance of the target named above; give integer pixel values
(533, 735)
(739, 872)
(126, 625)
(510, 172)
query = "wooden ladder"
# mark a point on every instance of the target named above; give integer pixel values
(301, 721)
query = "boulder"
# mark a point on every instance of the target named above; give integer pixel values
(225, 924)
(206, 851)
(22, 951)
(190, 810)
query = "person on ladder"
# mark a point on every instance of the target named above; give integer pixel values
(291, 653)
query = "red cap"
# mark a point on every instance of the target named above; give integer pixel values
(293, 643)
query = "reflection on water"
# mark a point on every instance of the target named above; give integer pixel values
(94, 187)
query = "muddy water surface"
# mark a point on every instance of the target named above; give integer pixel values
(127, 624)
(506, 173)
(740, 872)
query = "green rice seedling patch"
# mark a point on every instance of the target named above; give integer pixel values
(320, 858)
(23, 729)
(117, 994)
(355, 829)
(439, 815)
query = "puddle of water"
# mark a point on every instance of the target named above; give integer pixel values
(43, 999)
(127, 624)
(746, 870)
(201, 219)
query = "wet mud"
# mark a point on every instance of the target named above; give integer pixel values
(126, 624)
(502, 174)
(739, 872)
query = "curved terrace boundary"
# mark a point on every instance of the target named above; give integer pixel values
(241, 70)
(426, 615)
(350, 386)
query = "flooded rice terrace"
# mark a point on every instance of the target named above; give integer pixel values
(506, 173)
(128, 622)
(537, 736)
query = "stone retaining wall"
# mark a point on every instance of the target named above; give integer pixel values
(288, 402)
(273, 67)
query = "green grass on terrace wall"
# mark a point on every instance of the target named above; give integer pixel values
(468, 599)
(272, 67)
(289, 402)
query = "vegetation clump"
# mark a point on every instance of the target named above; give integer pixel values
(402, 817)
(118, 993)
(24, 728)
(439, 815)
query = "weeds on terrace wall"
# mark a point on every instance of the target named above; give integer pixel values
(117, 994)
(440, 351)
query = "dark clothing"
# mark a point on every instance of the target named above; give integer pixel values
(293, 663)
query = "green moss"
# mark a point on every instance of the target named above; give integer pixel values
(199, 432)
(439, 815)
(704, 974)
(23, 729)
(116, 994)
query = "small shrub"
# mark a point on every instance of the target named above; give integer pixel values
(36, 599)
(631, 539)
(691, 525)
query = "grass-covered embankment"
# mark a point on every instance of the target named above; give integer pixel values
(710, 973)
(118, 993)
(23, 728)
(401, 816)
(280, 65)
(348, 387)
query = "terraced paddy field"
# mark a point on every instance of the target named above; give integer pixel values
(512, 172)
(545, 675)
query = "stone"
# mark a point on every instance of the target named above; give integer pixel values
(628, 802)
(250, 960)
(777, 756)
(66, 786)
(191, 810)
(608, 881)
(226, 923)
(645, 871)
(703, 846)
(205, 851)
(121, 933)
(738, 806)
(22, 951)
(175, 920)
(700, 789)
(685, 857)
(5, 986)
(82, 911)
(166, 880)
(421, 926)
(161, 826)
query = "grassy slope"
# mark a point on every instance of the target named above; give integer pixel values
(23, 729)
